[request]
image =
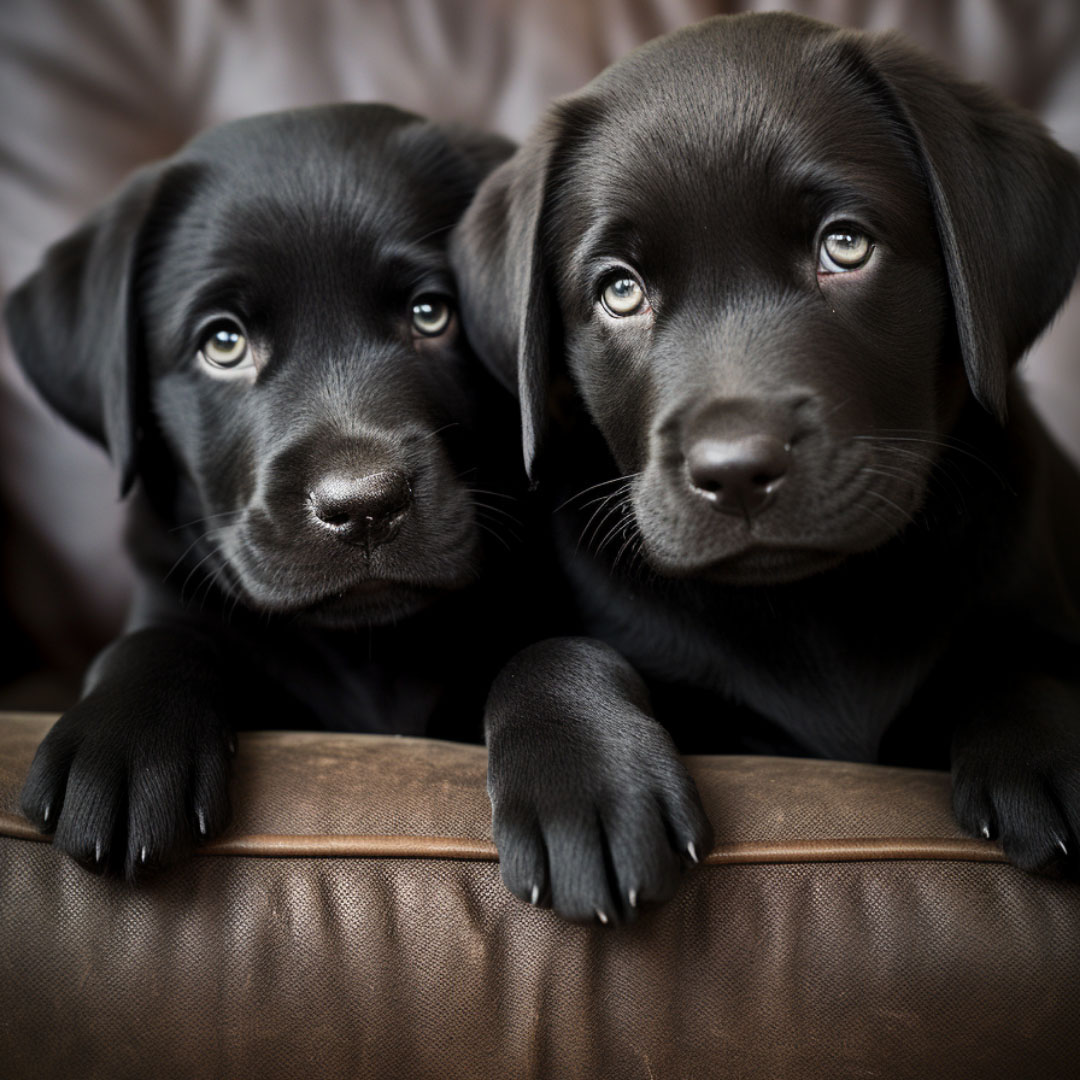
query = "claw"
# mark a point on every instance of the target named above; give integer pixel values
(534, 897)
(97, 851)
(632, 897)
(692, 851)
(142, 854)
(46, 812)
(231, 744)
(1064, 847)
(601, 916)
(202, 821)
(985, 831)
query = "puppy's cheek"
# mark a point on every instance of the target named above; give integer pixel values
(663, 522)
(612, 376)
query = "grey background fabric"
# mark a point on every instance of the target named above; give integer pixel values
(93, 88)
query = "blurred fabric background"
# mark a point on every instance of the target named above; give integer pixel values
(93, 88)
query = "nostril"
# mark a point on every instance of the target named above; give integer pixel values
(331, 517)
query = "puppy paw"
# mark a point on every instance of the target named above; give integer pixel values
(1022, 787)
(126, 788)
(596, 832)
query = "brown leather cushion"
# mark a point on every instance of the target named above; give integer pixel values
(351, 923)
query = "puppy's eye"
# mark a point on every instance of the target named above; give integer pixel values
(225, 345)
(844, 249)
(431, 315)
(622, 296)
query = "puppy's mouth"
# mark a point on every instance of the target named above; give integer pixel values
(371, 601)
(805, 534)
(344, 589)
(755, 563)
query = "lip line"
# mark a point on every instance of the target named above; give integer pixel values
(371, 588)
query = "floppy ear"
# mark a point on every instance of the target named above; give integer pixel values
(1006, 200)
(506, 301)
(73, 323)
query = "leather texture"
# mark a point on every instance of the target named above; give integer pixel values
(842, 927)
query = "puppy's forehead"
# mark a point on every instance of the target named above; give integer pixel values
(346, 167)
(749, 110)
(290, 219)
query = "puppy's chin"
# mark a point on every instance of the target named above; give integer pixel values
(772, 566)
(367, 603)
(755, 565)
(372, 603)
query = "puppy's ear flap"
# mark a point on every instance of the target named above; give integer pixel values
(1006, 200)
(72, 323)
(506, 303)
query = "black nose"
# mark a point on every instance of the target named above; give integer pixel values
(364, 510)
(738, 475)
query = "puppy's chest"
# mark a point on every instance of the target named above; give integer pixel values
(346, 689)
(833, 686)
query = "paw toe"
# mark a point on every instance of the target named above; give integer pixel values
(581, 874)
(689, 829)
(646, 868)
(210, 794)
(42, 797)
(522, 858)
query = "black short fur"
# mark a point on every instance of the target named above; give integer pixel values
(313, 531)
(898, 574)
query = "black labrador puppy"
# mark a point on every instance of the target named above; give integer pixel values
(761, 287)
(262, 331)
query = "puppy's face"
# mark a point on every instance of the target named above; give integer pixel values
(314, 411)
(768, 252)
(749, 293)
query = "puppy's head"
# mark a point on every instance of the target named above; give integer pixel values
(775, 259)
(263, 330)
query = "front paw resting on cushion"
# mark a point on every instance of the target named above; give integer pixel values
(128, 783)
(1017, 780)
(593, 812)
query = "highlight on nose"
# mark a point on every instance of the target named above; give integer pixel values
(738, 475)
(365, 509)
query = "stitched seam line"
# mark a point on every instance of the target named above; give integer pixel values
(261, 845)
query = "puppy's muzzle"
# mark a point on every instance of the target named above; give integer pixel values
(365, 510)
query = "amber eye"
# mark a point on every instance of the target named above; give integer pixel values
(431, 315)
(844, 249)
(225, 344)
(622, 296)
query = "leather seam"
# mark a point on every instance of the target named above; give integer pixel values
(262, 845)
